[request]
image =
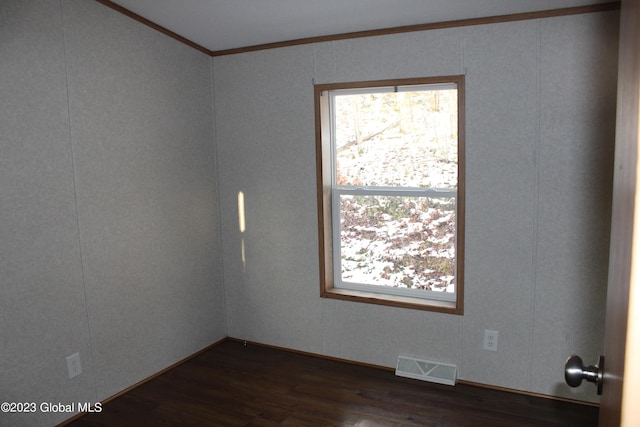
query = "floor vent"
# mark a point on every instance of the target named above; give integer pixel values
(426, 370)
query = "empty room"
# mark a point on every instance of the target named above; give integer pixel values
(324, 213)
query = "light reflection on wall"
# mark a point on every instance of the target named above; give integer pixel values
(241, 226)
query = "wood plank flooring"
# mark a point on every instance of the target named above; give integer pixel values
(234, 385)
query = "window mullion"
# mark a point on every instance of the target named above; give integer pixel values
(397, 191)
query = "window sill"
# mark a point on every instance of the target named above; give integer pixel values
(394, 300)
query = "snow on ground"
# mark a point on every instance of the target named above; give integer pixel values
(398, 241)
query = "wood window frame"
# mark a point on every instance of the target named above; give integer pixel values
(324, 170)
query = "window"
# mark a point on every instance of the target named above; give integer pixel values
(390, 164)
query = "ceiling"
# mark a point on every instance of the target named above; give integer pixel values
(228, 24)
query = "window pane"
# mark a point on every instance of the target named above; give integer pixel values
(398, 241)
(407, 139)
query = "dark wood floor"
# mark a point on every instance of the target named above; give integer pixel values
(234, 385)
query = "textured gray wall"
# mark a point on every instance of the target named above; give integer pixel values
(43, 315)
(109, 236)
(539, 133)
(109, 240)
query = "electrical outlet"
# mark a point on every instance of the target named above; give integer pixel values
(490, 340)
(73, 365)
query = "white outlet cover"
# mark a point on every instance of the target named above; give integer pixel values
(73, 365)
(490, 340)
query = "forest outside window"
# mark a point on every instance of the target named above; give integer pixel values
(390, 158)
